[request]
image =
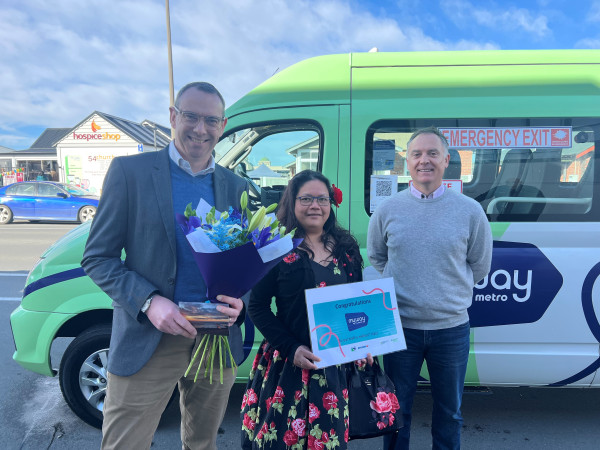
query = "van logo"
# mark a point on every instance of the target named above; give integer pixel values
(356, 320)
(519, 288)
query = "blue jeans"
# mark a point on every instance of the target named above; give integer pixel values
(446, 352)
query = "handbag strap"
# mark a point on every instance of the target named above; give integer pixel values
(381, 379)
(356, 379)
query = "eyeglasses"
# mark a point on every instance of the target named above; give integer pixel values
(308, 200)
(193, 119)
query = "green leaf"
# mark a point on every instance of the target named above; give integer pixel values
(277, 407)
(316, 431)
(292, 412)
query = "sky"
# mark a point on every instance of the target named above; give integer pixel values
(63, 59)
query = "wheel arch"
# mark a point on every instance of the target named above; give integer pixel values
(83, 321)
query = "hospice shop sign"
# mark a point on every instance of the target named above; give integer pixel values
(96, 134)
(513, 137)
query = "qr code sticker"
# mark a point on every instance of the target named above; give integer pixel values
(383, 188)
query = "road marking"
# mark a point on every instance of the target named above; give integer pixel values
(14, 274)
(10, 299)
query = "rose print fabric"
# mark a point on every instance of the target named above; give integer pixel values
(285, 407)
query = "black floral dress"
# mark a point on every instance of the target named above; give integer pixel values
(285, 406)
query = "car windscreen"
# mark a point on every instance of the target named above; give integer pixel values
(74, 190)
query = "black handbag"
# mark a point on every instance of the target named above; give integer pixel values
(372, 403)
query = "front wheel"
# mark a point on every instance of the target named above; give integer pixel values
(6, 215)
(82, 374)
(87, 213)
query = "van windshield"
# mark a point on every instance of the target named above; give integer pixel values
(268, 156)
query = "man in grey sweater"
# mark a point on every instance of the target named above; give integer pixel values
(436, 243)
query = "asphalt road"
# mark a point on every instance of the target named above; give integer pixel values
(22, 243)
(34, 415)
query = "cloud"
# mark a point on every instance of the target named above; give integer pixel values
(13, 141)
(586, 43)
(465, 14)
(64, 59)
(594, 14)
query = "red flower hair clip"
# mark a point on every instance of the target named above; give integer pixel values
(337, 195)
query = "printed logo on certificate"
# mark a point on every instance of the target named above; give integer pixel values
(347, 321)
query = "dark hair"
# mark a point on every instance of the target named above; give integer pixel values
(201, 86)
(336, 239)
(430, 130)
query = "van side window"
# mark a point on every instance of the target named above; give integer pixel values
(268, 156)
(518, 169)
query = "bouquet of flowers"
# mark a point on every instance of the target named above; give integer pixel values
(233, 250)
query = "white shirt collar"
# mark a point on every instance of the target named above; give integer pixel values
(183, 164)
(435, 194)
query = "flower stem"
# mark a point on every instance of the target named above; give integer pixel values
(194, 358)
(210, 353)
(233, 364)
(203, 342)
(212, 357)
(220, 360)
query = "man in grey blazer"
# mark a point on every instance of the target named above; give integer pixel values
(152, 343)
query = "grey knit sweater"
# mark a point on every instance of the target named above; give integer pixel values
(436, 250)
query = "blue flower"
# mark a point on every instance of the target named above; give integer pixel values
(260, 237)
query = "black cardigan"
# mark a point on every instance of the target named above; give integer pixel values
(288, 329)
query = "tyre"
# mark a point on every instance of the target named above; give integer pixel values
(86, 213)
(6, 215)
(82, 374)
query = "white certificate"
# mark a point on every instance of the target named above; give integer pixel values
(347, 321)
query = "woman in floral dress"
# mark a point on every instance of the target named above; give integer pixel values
(288, 402)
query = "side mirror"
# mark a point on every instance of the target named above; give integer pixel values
(62, 194)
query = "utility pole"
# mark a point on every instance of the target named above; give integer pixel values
(171, 89)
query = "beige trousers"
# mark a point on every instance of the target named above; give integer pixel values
(134, 404)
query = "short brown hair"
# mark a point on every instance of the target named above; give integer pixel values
(201, 86)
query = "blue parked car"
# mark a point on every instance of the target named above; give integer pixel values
(46, 200)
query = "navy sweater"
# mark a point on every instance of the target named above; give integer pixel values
(189, 284)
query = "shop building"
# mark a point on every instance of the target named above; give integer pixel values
(81, 155)
(85, 151)
(38, 162)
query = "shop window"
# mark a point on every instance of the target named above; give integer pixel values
(268, 156)
(518, 169)
(39, 170)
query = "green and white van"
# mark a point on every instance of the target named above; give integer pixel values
(522, 125)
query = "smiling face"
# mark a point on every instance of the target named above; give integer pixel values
(426, 160)
(313, 217)
(196, 143)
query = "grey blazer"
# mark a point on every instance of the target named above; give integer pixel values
(136, 215)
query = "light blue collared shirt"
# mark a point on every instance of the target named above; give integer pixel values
(185, 166)
(435, 194)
